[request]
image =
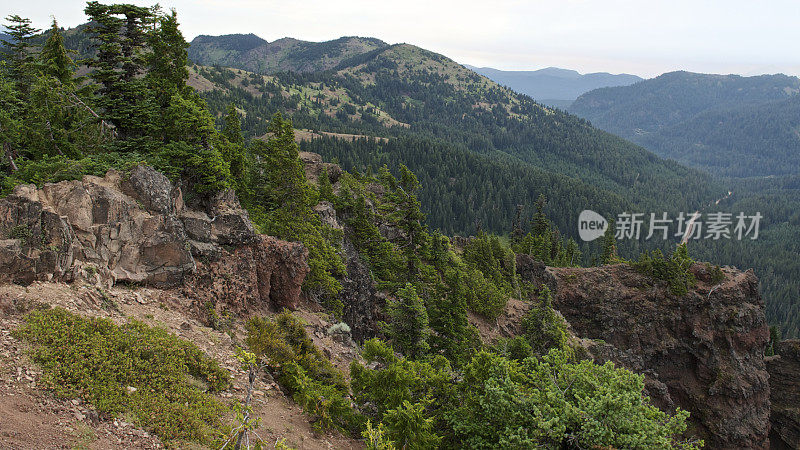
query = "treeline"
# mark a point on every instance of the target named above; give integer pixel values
(134, 107)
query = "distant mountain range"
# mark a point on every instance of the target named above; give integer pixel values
(726, 124)
(252, 53)
(554, 86)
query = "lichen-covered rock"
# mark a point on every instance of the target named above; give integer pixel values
(136, 228)
(702, 352)
(313, 165)
(267, 273)
(784, 384)
(363, 304)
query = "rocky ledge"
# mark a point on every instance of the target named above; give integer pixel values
(135, 228)
(702, 352)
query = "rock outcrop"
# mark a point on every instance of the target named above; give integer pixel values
(702, 352)
(784, 384)
(135, 228)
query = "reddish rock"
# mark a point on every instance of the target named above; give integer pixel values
(702, 352)
(267, 273)
(784, 383)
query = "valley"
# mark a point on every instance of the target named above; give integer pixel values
(237, 242)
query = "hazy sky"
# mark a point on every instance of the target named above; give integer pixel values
(644, 37)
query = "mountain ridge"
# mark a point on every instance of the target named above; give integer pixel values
(553, 85)
(252, 53)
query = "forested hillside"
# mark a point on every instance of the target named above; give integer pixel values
(427, 379)
(752, 141)
(425, 98)
(726, 124)
(480, 150)
(744, 129)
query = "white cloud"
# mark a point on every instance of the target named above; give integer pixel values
(643, 37)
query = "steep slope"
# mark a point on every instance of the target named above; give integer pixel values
(702, 352)
(250, 52)
(727, 124)
(554, 86)
(784, 381)
(441, 108)
(759, 140)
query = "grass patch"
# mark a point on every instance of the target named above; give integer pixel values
(160, 380)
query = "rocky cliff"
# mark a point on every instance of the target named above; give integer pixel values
(136, 229)
(784, 383)
(703, 352)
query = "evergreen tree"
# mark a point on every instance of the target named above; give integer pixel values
(517, 233)
(541, 224)
(609, 255)
(325, 186)
(17, 51)
(408, 322)
(403, 211)
(233, 151)
(167, 59)
(125, 99)
(10, 107)
(55, 58)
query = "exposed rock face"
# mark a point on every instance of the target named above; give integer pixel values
(702, 352)
(363, 304)
(137, 229)
(314, 166)
(784, 383)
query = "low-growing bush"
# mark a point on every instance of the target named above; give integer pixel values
(674, 270)
(543, 328)
(553, 402)
(315, 384)
(163, 381)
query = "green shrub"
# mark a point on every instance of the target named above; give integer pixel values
(543, 328)
(674, 270)
(375, 437)
(397, 380)
(315, 384)
(410, 428)
(131, 368)
(52, 169)
(283, 340)
(555, 403)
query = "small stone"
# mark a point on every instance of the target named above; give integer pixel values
(131, 389)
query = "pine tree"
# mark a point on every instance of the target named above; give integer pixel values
(167, 59)
(609, 255)
(325, 186)
(233, 149)
(17, 51)
(403, 211)
(124, 96)
(541, 224)
(10, 108)
(408, 322)
(517, 233)
(55, 58)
